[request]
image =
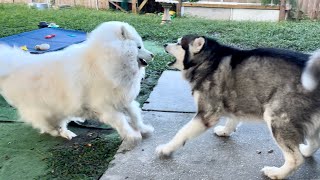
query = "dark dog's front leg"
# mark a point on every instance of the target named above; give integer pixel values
(192, 129)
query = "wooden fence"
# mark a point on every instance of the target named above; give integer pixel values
(308, 8)
(303, 8)
(101, 4)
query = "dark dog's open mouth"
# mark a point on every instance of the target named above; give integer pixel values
(142, 62)
(171, 63)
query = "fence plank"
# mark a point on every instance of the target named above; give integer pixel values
(309, 8)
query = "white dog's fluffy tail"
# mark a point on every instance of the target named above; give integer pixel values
(311, 74)
(12, 58)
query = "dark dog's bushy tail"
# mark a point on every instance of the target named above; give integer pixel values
(311, 74)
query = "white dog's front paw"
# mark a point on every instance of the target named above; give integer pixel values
(273, 172)
(305, 150)
(77, 119)
(146, 130)
(164, 150)
(67, 134)
(130, 141)
(222, 131)
(52, 132)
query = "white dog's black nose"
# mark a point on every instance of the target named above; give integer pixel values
(165, 45)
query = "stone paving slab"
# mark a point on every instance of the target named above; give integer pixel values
(171, 94)
(206, 157)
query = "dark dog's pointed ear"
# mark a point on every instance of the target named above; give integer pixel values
(124, 32)
(198, 44)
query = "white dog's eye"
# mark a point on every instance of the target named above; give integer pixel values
(139, 47)
(178, 44)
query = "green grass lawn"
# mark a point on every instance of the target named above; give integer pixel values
(25, 154)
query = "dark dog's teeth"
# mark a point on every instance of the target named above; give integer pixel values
(170, 63)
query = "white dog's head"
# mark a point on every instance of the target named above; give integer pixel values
(115, 30)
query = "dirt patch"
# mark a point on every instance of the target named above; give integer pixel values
(84, 157)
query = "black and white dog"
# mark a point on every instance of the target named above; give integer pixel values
(251, 84)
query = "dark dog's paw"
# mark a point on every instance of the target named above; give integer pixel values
(163, 151)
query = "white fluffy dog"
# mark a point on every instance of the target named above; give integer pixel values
(99, 78)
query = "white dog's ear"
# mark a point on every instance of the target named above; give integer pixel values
(125, 33)
(198, 44)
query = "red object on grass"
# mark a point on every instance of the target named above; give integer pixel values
(50, 36)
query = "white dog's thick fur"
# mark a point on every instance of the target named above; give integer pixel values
(99, 78)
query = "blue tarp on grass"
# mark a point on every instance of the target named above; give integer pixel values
(62, 39)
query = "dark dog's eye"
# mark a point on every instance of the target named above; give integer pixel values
(139, 47)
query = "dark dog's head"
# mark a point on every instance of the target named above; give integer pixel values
(186, 50)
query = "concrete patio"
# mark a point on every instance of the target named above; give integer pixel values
(240, 156)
